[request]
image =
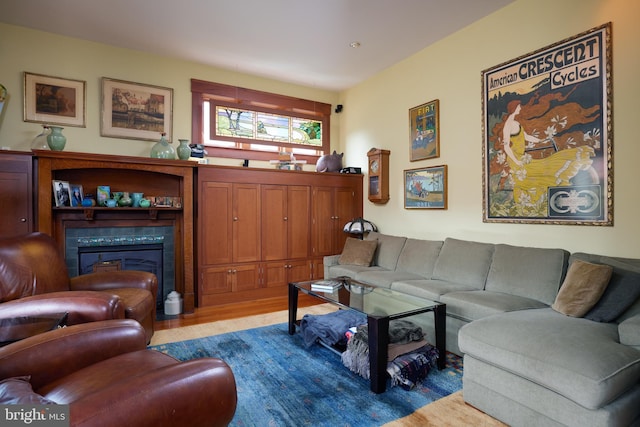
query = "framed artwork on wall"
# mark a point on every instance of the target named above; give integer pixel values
(547, 140)
(425, 188)
(136, 111)
(54, 100)
(424, 131)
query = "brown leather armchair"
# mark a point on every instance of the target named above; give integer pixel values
(34, 280)
(108, 377)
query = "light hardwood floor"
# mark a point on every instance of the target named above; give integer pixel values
(450, 411)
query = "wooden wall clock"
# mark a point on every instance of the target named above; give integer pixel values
(378, 175)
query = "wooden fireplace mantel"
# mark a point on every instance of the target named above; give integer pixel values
(158, 177)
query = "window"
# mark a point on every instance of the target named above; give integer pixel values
(248, 124)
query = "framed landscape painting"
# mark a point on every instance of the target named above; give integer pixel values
(547, 140)
(425, 188)
(424, 128)
(136, 111)
(54, 100)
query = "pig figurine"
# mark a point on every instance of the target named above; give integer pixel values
(330, 162)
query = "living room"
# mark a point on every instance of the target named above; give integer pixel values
(513, 31)
(375, 114)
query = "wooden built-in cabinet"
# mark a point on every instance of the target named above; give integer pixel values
(16, 193)
(257, 229)
(160, 177)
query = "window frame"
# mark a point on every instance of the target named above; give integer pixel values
(238, 97)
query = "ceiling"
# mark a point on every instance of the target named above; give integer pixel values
(304, 42)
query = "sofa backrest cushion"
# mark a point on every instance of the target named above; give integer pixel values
(388, 251)
(464, 262)
(419, 256)
(535, 273)
(620, 300)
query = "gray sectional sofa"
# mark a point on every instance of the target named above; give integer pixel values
(524, 362)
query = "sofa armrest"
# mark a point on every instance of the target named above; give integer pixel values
(328, 261)
(103, 281)
(200, 392)
(629, 331)
(82, 306)
(52, 355)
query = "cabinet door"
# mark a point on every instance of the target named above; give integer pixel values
(298, 271)
(344, 209)
(15, 192)
(323, 221)
(298, 220)
(274, 273)
(216, 223)
(317, 268)
(246, 222)
(216, 280)
(274, 222)
(245, 277)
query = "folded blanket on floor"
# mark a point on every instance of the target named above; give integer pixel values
(329, 328)
(405, 370)
(401, 331)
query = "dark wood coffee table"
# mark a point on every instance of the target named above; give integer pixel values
(380, 305)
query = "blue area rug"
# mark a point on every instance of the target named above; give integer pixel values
(282, 383)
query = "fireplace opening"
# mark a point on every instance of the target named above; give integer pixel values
(146, 257)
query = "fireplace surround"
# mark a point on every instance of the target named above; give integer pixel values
(148, 248)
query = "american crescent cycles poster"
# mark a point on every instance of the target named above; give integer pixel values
(547, 142)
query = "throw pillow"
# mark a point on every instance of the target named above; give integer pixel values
(623, 290)
(582, 288)
(358, 252)
(18, 391)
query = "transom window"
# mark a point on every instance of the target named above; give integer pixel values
(243, 123)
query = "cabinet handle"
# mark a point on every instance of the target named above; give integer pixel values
(230, 271)
(235, 271)
(23, 219)
(286, 219)
(235, 218)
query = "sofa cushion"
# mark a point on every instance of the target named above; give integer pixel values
(389, 248)
(350, 270)
(527, 272)
(577, 358)
(582, 288)
(18, 391)
(472, 305)
(629, 332)
(383, 278)
(358, 252)
(623, 290)
(464, 262)
(419, 257)
(430, 289)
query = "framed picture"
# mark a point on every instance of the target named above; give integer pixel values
(61, 193)
(425, 188)
(547, 134)
(424, 128)
(135, 110)
(77, 195)
(54, 100)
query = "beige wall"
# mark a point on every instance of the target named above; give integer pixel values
(376, 112)
(22, 49)
(376, 115)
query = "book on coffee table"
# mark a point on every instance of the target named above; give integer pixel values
(326, 285)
